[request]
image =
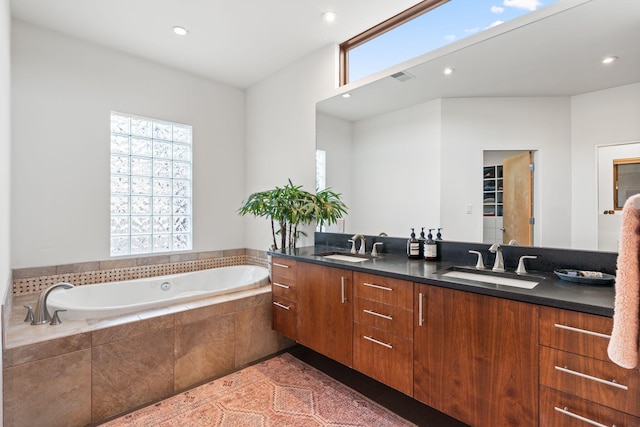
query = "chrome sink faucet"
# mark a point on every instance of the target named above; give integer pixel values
(374, 250)
(521, 268)
(41, 314)
(498, 265)
(362, 249)
(479, 263)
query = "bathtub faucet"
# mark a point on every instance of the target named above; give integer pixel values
(41, 314)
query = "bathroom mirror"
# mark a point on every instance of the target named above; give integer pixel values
(410, 152)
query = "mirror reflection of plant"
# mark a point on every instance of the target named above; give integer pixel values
(328, 207)
(291, 206)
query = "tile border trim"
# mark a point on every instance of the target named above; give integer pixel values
(34, 280)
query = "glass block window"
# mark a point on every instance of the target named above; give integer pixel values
(321, 169)
(151, 188)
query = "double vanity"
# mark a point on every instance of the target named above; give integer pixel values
(484, 352)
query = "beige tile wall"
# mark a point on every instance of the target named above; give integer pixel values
(34, 280)
(89, 377)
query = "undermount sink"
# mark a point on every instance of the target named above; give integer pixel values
(339, 256)
(503, 279)
(349, 258)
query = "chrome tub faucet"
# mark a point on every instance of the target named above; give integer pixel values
(41, 314)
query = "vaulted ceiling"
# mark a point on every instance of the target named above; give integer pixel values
(237, 42)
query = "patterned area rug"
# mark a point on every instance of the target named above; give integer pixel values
(282, 392)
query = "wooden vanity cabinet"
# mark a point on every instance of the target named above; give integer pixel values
(325, 307)
(578, 382)
(476, 357)
(484, 360)
(383, 330)
(284, 296)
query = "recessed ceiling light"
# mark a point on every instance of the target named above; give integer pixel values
(346, 95)
(181, 31)
(329, 16)
(609, 59)
(448, 71)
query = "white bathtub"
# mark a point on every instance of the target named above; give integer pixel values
(116, 298)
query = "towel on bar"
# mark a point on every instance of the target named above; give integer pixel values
(624, 344)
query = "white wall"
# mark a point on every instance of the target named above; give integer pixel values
(598, 118)
(5, 157)
(472, 125)
(63, 92)
(281, 141)
(396, 172)
(334, 135)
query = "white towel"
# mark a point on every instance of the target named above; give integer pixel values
(624, 344)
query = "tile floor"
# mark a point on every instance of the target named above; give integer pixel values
(408, 408)
(402, 405)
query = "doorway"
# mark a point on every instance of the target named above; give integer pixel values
(508, 197)
(611, 195)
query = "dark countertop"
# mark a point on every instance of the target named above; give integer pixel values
(551, 291)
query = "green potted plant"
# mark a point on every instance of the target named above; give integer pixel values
(290, 206)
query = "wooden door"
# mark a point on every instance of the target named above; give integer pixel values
(476, 357)
(518, 198)
(325, 311)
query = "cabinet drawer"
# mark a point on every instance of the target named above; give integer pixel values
(581, 333)
(559, 409)
(385, 357)
(283, 268)
(284, 318)
(384, 289)
(388, 318)
(284, 287)
(601, 382)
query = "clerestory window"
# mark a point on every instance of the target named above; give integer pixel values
(425, 27)
(151, 185)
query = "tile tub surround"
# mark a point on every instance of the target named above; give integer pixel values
(35, 280)
(83, 372)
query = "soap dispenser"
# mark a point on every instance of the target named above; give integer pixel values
(430, 248)
(439, 235)
(422, 240)
(413, 246)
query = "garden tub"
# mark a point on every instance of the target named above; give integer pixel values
(131, 296)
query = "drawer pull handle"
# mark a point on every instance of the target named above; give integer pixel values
(280, 265)
(589, 377)
(344, 297)
(281, 305)
(420, 318)
(378, 314)
(578, 417)
(280, 285)
(377, 342)
(582, 331)
(371, 285)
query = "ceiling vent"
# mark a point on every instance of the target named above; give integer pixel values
(403, 76)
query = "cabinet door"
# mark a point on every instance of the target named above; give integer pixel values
(476, 357)
(325, 311)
